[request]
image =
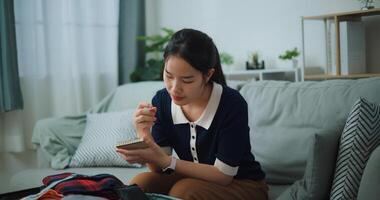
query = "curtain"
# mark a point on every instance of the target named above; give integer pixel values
(130, 50)
(10, 92)
(67, 53)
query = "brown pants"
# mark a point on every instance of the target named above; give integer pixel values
(189, 188)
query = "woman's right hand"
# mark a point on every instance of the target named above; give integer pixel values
(144, 119)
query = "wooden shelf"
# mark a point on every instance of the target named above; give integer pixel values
(358, 13)
(336, 18)
(329, 76)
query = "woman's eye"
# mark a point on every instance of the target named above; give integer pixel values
(188, 82)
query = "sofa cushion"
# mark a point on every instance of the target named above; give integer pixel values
(319, 172)
(369, 185)
(283, 116)
(275, 190)
(360, 137)
(103, 131)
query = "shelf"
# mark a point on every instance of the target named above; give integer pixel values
(329, 76)
(261, 74)
(257, 71)
(336, 18)
(359, 13)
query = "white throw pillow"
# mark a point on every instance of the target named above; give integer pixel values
(102, 132)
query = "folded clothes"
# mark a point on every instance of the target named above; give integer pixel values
(82, 197)
(50, 194)
(102, 185)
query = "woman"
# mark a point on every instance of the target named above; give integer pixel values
(204, 121)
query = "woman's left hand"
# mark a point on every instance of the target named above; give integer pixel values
(151, 155)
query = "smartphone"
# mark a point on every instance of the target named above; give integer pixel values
(132, 144)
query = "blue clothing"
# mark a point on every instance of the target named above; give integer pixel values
(225, 140)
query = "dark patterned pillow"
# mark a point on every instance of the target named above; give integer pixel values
(361, 135)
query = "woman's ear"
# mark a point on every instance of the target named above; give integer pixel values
(209, 74)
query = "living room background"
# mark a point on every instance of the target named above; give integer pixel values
(241, 27)
(238, 28)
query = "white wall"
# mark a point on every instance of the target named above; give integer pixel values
(241, 27)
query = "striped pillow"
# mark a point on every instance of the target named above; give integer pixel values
(102, 132)
(361, 135)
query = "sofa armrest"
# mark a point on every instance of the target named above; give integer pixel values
(57, 139)
(370, 183)
(43, 158)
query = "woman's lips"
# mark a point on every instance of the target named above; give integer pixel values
(176, 98)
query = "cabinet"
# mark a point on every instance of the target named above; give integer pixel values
(336, 18)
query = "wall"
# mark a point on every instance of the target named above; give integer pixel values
(241, 27)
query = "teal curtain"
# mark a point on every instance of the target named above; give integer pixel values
(10, 92)
(130, 50)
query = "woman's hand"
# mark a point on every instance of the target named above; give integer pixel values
(144, 119)
(151, 155)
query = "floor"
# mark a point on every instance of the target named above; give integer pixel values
(12, 163)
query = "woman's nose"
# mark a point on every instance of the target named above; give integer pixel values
(176, 87)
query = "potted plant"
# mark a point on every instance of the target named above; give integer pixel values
(290, 55)
(253, 62)
(226, 59)
(368, 4)
(154, 49)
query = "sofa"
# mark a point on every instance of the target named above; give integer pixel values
(284, 117)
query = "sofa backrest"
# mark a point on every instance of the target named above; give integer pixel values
(128, 96)
(284, 115)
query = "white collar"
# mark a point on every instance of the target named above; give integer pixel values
(208, 114)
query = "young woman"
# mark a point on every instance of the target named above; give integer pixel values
(204, 121)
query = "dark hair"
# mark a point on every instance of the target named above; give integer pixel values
(198, 49)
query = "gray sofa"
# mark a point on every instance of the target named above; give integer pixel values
(283, 117)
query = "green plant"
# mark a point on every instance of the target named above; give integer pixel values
(154, 49)
(368, 4)
(255, 58)
(226, 58)
(290, 54)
